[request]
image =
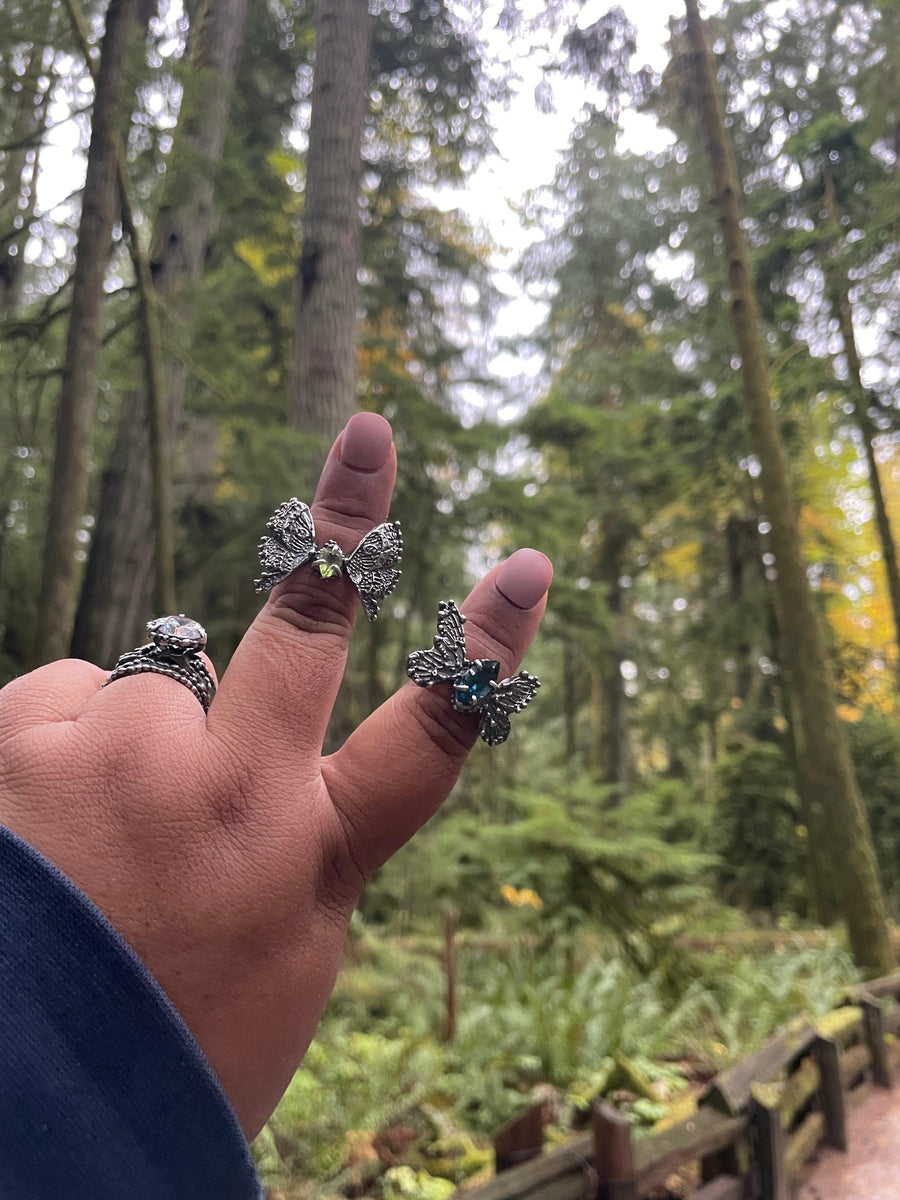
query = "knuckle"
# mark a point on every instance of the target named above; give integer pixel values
(308, 607)
(343, 518)
(491, 639)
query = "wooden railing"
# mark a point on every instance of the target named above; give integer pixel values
(756, 1124)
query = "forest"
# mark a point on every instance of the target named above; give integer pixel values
(227, 225)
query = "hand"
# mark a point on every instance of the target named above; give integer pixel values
(224, 848)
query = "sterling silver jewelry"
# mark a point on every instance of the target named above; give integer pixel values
(291, 543)
(473, 683)
(173, 651)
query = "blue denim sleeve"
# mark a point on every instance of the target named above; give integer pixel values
(104, 1094)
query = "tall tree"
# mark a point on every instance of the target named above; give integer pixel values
(116, 595)
(821, 203)
(323, 382)
(69, 485)
(29, 104)
(822, 744)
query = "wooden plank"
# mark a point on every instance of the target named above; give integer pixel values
(613, 1153)
(659, 1154)
(770, 1142)
(797, 1090)
(803, 1144)
(729, 1092)
(535, 1177)
(888, 985)
(726, 1187)
(873, 1023)
(853, 1064)
(831, 1091)
(520, 1140)
(842, 1025)
(891, 1021)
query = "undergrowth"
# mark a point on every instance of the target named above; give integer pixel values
(558, 1018)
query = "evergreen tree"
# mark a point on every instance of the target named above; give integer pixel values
(823, 751)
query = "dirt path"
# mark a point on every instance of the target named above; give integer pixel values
(871, 1168)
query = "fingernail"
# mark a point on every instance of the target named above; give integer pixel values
(524, 577)
(366, 442)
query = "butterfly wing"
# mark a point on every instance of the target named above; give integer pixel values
(373, 565)
(447, 657)
(290, 542)
(506, 697)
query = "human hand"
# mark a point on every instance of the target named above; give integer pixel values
(224, 847)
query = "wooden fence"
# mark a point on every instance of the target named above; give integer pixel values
(754, 1128)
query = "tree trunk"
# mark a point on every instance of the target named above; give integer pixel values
(77, 403)
(839, 293)
(823, 753)
(324, 379)
(117, 596)
(20, 171)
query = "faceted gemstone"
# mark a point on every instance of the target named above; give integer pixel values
(475, 685)
(329, 560)
(178, 631)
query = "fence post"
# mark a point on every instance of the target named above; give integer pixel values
(873, 1023)
(769, 1140)
(613, 1154)
(450, 923)
(825, 1052)
(520, 1140)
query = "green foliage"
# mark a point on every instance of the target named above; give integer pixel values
(875, 742)
(576, 1016)
(757, 832)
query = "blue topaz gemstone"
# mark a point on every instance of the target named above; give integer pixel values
(470, 689)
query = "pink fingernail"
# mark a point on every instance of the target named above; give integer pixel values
(366, 442)
(524, 577)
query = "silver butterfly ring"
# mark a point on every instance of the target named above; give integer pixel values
(290, 542)
(473, 682)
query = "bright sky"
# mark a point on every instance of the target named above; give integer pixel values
(528, 142)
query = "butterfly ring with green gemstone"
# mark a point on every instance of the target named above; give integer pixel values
(290, 542)
(474, 686)
(173, 650)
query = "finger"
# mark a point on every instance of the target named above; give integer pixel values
(279, 689)
(398, 767)
(55, 692)
(148, 697)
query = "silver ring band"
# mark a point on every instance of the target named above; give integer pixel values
(173, 651)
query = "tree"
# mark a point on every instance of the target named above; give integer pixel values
(822, 745)
(115, 599)
(822, 203)
(69, 484)
(27, 98)
(323, 381)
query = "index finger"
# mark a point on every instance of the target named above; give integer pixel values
(276, 696)
(398, 767)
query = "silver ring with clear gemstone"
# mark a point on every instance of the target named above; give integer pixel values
(173, 651)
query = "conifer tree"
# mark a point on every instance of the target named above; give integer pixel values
(116, 595)
(69, 485)
(823, 752)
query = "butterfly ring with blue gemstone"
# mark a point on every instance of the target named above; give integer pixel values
(474, 686)
(290, 542)
(173, 650)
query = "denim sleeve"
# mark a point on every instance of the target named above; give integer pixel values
(104, 1094)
